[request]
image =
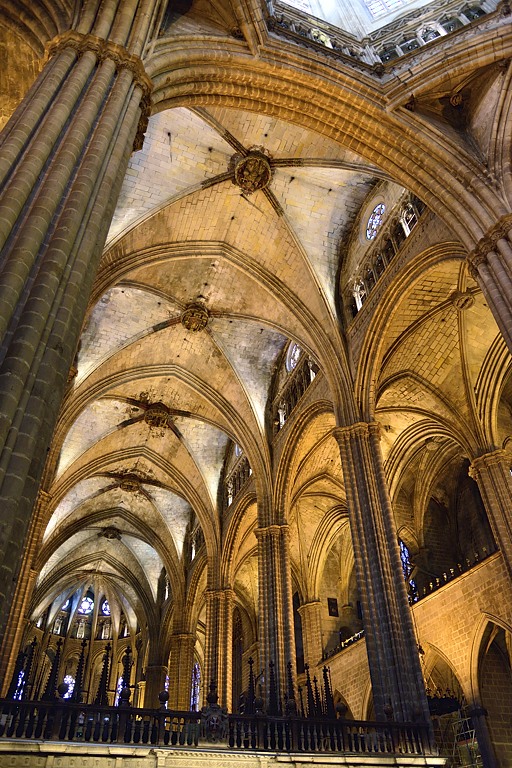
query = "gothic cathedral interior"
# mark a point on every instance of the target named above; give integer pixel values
(255, 374)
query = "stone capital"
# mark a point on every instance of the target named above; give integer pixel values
(224, 593)
(272, 530)
(103, 49)
(359, 430)
(494, 458)
(486, 244)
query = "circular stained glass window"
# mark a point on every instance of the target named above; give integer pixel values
(105, 608)
(292, 358)
(374, 221)
(86, 606)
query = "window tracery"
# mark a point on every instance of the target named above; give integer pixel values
(375, 221)
(299, 379)
(86, 606)
(293, 357)
(386, 243)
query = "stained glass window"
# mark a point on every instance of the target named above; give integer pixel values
(292, 358)
(86, 606)
(119, 688)
(70, 680)
(105, 608)
(374, 221)
(20, 685)
(196, 685)
(407, 568)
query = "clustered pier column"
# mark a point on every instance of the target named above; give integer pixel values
(397, 683)
(63, 156)
(490, 264)
(219, 642)
(492, 475)
(277, 641)
(180, 670)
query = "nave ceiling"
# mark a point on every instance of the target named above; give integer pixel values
(154, 409)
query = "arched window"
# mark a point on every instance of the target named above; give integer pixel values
(119, 688)
(20, 687)
(70, 680)
(292, 357)
(105, 608)
(196, 686)
(374, 221)
(407, 568)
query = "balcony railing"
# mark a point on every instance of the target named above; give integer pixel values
(79, 723)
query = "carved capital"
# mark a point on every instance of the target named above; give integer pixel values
(272, 531)
(488, 242)
(360, 430)
(475, 259)
(492, 459)
(103, 49)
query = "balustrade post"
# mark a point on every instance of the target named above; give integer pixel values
(390, 640)
(63, 156)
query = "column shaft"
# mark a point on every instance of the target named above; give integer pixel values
(219, 643)
(390, 640)
(490, 264)
(311, 616)
(492, 474)
(180, 670)
(155, 681)
(277, 639)
(63, 156)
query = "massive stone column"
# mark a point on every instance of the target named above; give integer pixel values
(219, 643)
(492, 474)
(180, 670)
(277, 641)
(63, 156)
(311, 617)
(17, 623)
(490, 264)
(397, 683)
(155, 681)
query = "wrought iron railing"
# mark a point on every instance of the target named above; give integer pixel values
(79, 723)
